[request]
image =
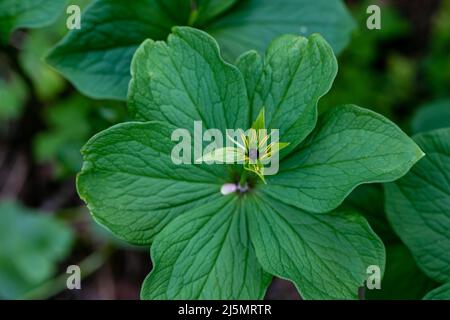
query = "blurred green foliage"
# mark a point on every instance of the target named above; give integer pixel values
(13, 94)
(402, 278)
(437, 62)
(369, 77)
(67, 129)
(70, 123)
(47, 83)
(31, 244)
(16, 14)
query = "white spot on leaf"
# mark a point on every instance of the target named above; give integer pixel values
(228, 188)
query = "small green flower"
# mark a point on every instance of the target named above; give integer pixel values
(252, 149)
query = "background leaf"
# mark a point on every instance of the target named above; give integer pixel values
(68, 129)
(418, 206)
(402, 279)
(252, 24)
(27, 14)
(31, 243)
(97, 57)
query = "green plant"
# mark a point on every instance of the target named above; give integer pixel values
(402, 278)
(388, 77)
(207, 245)
(418, 208)
(96, 58)
(70, 122)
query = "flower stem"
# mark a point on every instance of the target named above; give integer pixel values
(194, 13)
(58, 284)
(243, 180)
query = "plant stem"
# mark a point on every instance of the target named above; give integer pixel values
(194, 13)
(243, 180)
(58, 284)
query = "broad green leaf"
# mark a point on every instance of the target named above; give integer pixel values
(350, 146)
(131, 185)
(31, 244)
(288, 82)
(403, 279)
(441, 293)
(166, 86)
(252, 24)
(206, 254)
(97, 57)
(435, 115)
(418, 206)
(186, 80)
(326, 256)
(16, 14)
